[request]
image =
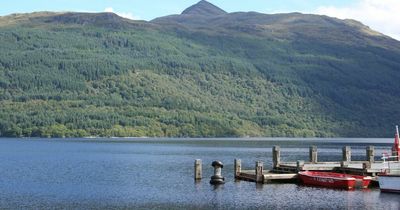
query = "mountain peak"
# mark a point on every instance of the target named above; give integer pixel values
(204, 7)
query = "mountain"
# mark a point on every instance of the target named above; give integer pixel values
(201, 73)
(204, 8)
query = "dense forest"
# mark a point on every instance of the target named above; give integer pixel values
(204, 73)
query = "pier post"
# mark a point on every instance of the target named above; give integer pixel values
(300, 165)
(238, 167)
(259, 172)
(370, 154)
(366, 165)
(313, 154)
(346, 154)
(344, 164)
(276, 156)
(198, 174)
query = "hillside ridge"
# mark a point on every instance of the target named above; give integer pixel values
(202, 73)
(204, 8)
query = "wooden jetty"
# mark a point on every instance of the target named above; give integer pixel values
(287, 171)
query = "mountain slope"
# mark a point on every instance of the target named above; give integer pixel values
(204, 8)
(204, 72)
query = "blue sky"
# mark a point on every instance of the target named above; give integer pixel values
(380, 15)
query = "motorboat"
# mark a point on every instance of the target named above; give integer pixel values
(333, 180)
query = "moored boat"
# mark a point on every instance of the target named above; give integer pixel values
(389, 183)
(365, 180)
(389, 179)
(333, 180)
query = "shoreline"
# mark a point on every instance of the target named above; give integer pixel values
(250, 139)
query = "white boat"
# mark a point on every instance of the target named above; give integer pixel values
(389, 179)
(389, 183)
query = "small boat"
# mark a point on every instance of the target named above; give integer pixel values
(333, 180)
(389, 179)
(389, 182)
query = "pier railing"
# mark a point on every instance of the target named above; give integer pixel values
(390, 164)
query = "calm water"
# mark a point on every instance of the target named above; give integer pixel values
(158, 174)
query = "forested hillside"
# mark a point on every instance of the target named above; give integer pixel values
(203, 73)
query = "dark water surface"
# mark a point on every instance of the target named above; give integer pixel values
(158, 174)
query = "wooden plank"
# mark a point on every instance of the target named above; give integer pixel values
(319, 168)
(266, 177)
(247, 177)
(274, 176)
(248, 172)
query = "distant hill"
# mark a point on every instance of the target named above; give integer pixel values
(202, 73)
(204, 8)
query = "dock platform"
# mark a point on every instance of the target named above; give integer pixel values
(287, 171)
(268, 176)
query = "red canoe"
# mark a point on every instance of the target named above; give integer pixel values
(333, 180)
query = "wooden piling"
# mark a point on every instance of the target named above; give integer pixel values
(238, 167)
(198, 173)
(276, 156)
(313, 154)
(346, 154)
(370, 153)
(259, 172)
(366, 165)
(300, 165)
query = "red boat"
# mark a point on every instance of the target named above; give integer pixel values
(333, 180)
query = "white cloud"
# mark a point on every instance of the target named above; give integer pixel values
(109, 9)
(127, 15)
(380, 15)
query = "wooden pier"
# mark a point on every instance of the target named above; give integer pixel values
(287, 171)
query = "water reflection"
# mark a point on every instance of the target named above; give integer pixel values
(259, 187)
(217, 199)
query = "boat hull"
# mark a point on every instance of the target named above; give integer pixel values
(331, 180)
(389, 183)
(365, 180)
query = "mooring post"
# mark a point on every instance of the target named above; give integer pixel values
(198, 174)
(300, 165)
(276, 156)
(238, 167)
(313, 154)
(259, 172)
(346, 154)
(370, 154)
(217, 178)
